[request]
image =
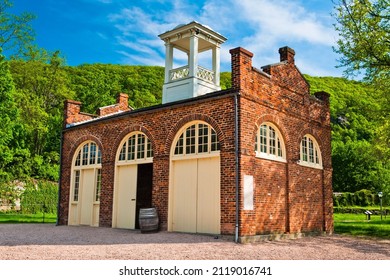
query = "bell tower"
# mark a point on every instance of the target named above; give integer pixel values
(192, 79)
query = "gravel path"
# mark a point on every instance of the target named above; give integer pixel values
(49, 242)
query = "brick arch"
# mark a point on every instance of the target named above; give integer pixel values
(276, 122)
(133, 128)
(81, 140)
(191, 118)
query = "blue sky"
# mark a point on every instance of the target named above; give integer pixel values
(126, 31)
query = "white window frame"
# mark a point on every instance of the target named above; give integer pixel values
(135, 148)
(198, 143)
(310, 153)
(278, 145)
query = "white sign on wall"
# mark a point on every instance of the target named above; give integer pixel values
(248, 192)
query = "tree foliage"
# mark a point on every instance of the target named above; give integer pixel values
(11, 129)
(16, 32)
(97, 85)
(364, 44)
(359, 158)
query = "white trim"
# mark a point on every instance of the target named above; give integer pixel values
(317, 151)
(269, 157)
(195, 156)
(136, 160)
(278, 136)
(306, 164)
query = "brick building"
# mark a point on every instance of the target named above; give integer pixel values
(250, 161)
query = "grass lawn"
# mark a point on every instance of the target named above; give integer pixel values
(350, 224)
(13, 218)
(358, 225)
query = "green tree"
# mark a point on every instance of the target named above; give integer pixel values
(364, 44)
(16, 32)
(359, 157)
(97, 85)
(8, 117)
(41, 88)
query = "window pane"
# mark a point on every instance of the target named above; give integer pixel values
(122, 154)
(179, 145)
(98, 184)
(203, 138)
(311, 151)
(140, 146)
(92, 156)
(280, 153)
(263, 138)
(76, 185)
(190, 140)
(304, 149)
(131, 148)
(78, 159)
(85, 154)
(272, 141)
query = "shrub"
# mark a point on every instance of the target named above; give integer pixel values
(361, 198)
(39, 197)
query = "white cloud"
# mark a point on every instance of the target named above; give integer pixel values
(261, 26)
(287, 20)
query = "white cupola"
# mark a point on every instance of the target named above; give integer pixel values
(192, 79)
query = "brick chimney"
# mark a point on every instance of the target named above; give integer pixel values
(72, 113)
(123, 101)
(241, 66)
(122, 104)
(287, 54)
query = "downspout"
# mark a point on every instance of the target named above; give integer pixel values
(237, 164)
(59, 182)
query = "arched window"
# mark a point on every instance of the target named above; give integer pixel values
(197, 138)
(136, 147)
(88, 154)
(310, 152)
(269, 143)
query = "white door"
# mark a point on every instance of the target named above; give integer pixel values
(126, 194)
(87, 192)
(184, 193)
(208, 204)
(196, 195)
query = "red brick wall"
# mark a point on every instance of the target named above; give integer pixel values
(288, 197)
(161, 126)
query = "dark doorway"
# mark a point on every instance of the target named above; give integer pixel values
(144, 189)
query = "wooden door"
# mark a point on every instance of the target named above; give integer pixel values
(87, 192)
(126, 195)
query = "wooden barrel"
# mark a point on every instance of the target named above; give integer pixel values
(148, 220)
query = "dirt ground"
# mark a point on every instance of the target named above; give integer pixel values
(49, 242)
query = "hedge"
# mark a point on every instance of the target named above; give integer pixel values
(39, 197)
(360, 198)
